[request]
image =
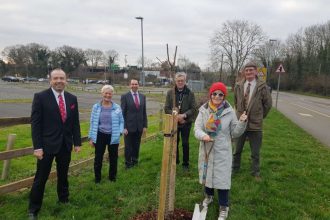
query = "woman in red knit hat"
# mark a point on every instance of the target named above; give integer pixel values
(215, 126)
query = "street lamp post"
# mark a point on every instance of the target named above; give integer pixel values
(125, 60)
(221, 68)
(142, 71)
(269, 58)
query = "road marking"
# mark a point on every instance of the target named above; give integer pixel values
(325, 115)
(305, 115)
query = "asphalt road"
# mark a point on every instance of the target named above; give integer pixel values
(310, 113)
(86, 100)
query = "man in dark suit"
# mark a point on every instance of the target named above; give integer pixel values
(133, 105)
(55, 128)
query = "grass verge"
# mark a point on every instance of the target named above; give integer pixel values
(295, 183)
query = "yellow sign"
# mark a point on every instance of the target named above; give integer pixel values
(262, 73)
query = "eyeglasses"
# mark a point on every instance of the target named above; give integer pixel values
(217, 94)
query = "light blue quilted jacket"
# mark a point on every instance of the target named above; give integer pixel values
(117, 122)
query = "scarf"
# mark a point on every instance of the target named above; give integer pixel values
(213, 124)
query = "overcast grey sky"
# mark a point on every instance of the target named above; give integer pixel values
(111, 24)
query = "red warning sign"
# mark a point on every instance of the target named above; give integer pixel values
(280, 69)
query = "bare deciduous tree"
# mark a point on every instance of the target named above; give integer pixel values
(17, 54)
(111, 56)
(147, 62)
(94, 57)
(236, 40)
(269, 53)
(68, 58)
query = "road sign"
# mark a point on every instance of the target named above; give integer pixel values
(114, 66)
(280, 69)
(262, 73)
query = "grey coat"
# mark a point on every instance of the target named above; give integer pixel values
(220, 158)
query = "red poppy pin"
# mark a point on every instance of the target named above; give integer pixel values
(72, 106)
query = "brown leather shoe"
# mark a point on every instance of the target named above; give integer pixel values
(257, 178)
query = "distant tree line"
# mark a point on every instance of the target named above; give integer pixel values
(304, 55)
(37, 60)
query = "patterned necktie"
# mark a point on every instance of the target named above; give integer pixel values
(247, 96)
(136, 101)
(62, 107)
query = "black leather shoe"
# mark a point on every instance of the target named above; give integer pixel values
(185, 168)
(32, 216)
(235, 170)
(128, 166)
(63, 201)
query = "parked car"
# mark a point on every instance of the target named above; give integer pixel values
(102, 82)
(21, 79)
(42, 80)
(72, 81)
(10, 79)
(90, 81)
(31, 79)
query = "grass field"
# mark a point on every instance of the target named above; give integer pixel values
(294, 167)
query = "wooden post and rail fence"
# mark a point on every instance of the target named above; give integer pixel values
(11, 153)
(168, 171)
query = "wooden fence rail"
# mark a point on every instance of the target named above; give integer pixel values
(5, 122)
(20, 184)
(6, 156)
(10, 154)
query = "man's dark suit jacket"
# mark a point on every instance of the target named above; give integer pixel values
(48, 131)
(135, 119)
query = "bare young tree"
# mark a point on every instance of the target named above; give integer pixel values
(235, 41)
(94, 57)
(111, 56)
(17, 54)
(68, 58)
(269, 53)
(183, 63)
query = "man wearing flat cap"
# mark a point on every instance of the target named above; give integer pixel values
(251, 95)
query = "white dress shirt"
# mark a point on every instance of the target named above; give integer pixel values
(252, 87)
(56, 94)
(137, 95)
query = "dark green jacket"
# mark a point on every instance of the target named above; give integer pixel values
(188, 105)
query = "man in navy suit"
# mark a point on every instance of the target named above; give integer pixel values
(55, 128)
(133, 105)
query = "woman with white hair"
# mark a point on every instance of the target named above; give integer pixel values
(106, 126)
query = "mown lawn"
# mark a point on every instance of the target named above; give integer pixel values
(295, 183)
